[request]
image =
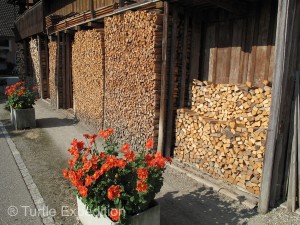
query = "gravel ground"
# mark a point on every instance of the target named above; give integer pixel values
(182, 200)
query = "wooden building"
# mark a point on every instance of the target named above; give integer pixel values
(104, 66)
(32, 51)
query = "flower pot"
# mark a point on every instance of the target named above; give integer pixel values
(149, 217)
(11, 115)
(23, 118)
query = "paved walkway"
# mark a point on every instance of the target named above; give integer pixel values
(16, 204)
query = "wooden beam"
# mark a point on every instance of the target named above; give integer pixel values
(171, 82)
(63, 72)
(92, 8)
(57, 74)
(234, 6)
(184, 61)
(40, 67)
(47, 67)
(163, 98)
(291, 198)
(285, 30)
(298, 130)
(68, 71)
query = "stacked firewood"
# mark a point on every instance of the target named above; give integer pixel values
(88, 75)
(249, 106)
(52, 46)
(133, 66)
(225, 132)
(34, 55)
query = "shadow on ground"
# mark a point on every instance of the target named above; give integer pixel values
(55, 122)
(200, 207)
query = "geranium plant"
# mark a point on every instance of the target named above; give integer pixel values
(116, 180)
(20, 97)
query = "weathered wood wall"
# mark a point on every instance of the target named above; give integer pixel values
(227, 48)
(88, 76)
(239, 50)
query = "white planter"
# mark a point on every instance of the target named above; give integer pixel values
(23, 118)
(149, 217)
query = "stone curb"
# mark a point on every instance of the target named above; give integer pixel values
(215, 187)
(31, 186)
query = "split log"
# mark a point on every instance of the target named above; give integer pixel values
(224, 134)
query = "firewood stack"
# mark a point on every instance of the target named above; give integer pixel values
(52, 46)
(225, 132)
(133, 66)
(88, 75)
(34, 53)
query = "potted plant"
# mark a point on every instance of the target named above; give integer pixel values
(116, 185)
(21, 101)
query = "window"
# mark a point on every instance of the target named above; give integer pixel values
(5, 44)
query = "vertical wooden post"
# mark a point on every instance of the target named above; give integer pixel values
(57, 71)
(63, 70)
(92, 8)
(291, 198)
(184, 61)
(47, 68)
(163, 91)
(298, 130)
(40, 67)
(170, 102)
(285, 26)
(68, 59)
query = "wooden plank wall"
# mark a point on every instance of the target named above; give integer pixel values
(66, 7)
(238, 49)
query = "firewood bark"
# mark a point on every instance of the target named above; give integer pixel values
(52, 46)
(132, 75)
(224, 133)
(88, 76)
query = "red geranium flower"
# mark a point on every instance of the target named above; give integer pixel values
(142, 186)
(87, 166)
(101, 133)
(149, 143)
(88, 181)
(129, 155)
(121, 163)
(111, 161)
(83, 191)
(102, 155)
(115, 214)
(114, 192)
(125, 147)
(66, 173)
(142, 173)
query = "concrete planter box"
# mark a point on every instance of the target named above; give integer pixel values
(149, 217)
(23, 118)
